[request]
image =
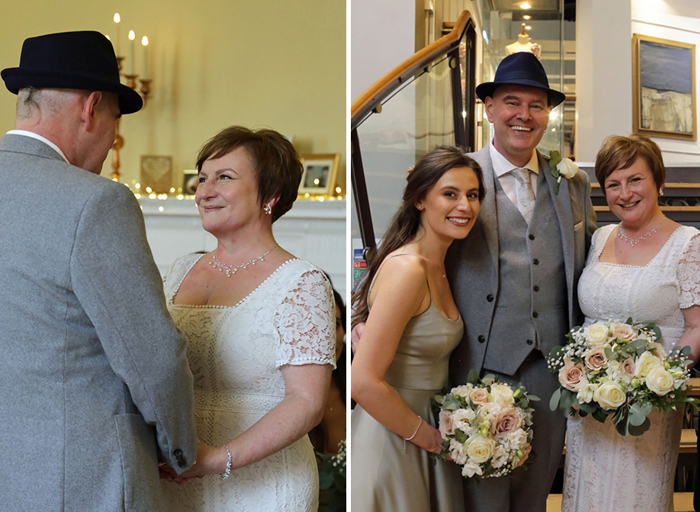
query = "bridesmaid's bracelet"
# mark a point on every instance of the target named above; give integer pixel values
(420, 422)
(226, 473)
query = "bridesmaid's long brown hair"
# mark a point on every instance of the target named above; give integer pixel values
(406, 221)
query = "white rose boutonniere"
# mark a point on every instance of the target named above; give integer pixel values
(561, 167)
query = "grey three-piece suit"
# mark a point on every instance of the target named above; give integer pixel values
(516, 291)
(93, 375)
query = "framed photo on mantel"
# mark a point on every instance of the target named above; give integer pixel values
(156, 173)
(320, 172)
(663, 77)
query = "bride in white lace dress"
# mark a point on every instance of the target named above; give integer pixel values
(648, 268)
(261, 331)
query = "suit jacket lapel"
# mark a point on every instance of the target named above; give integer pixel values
(562, 205)
(488, 214)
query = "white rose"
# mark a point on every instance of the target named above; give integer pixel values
(480, 449)
(596, 334)
(462, 390)
(645, 364)
(609, 395)
(502, 394)
(567, 168)
(660, 381)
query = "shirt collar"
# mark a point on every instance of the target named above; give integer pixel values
(502, 166)
(42, 139)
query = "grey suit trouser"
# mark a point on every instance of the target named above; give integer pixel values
(526, 488)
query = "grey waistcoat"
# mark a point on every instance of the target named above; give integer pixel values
(531, 258)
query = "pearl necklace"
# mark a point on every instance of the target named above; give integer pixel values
(232, 269)
(634, 241)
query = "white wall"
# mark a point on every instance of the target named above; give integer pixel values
(383, 36)
(677, 20)
(603, 74)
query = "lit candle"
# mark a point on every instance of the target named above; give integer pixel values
(144, 42)
(117, 19)
(132, 36)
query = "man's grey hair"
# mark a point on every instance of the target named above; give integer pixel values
(31, 100)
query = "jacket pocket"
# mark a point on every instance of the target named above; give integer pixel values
(139, 458)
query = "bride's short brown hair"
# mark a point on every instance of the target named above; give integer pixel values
(619, 152)
(276, 162)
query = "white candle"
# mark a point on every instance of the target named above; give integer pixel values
(117, 19)
(144, 42)
(132, 36)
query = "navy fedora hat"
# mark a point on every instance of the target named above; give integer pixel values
(71, 60)
(521, 68)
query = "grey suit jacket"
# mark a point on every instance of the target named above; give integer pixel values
(473, 263)
(93, 374)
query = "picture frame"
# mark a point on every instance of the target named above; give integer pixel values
(156, 173)
(320, 173)
(663, 81)
(190, 182)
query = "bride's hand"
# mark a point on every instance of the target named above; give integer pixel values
(210, 461)
(428, 438)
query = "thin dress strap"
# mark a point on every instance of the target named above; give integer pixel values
(369, 293)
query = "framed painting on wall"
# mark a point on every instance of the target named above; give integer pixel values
(320, 173)
(663, 80)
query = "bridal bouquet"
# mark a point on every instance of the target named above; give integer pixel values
(620, 370)
(486, 425)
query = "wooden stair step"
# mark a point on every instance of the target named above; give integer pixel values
(682, 502)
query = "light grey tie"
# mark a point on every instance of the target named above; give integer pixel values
(524, 193)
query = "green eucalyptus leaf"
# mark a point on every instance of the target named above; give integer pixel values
(473, 377)
(554, 401)
(639, 430)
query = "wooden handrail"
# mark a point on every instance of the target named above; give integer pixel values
(416, 61)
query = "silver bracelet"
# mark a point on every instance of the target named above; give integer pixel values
(420, 422)
(225, 474)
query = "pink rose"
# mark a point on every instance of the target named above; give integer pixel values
(446, 426)
(507, 420)
(623, 332)
(572, 376)
(628, 367)
(595, 359)
(479, 396)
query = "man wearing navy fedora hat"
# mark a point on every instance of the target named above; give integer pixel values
(514, 277)
(95, 383)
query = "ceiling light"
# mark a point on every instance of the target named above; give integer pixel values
(527, 17)
(528, 27)
(525, 5)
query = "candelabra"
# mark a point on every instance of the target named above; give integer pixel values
(130, 78)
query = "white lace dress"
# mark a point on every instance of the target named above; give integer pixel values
(235, 354)
(605, 471)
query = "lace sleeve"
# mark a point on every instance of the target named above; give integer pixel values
(305, 322)
(689, 273)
